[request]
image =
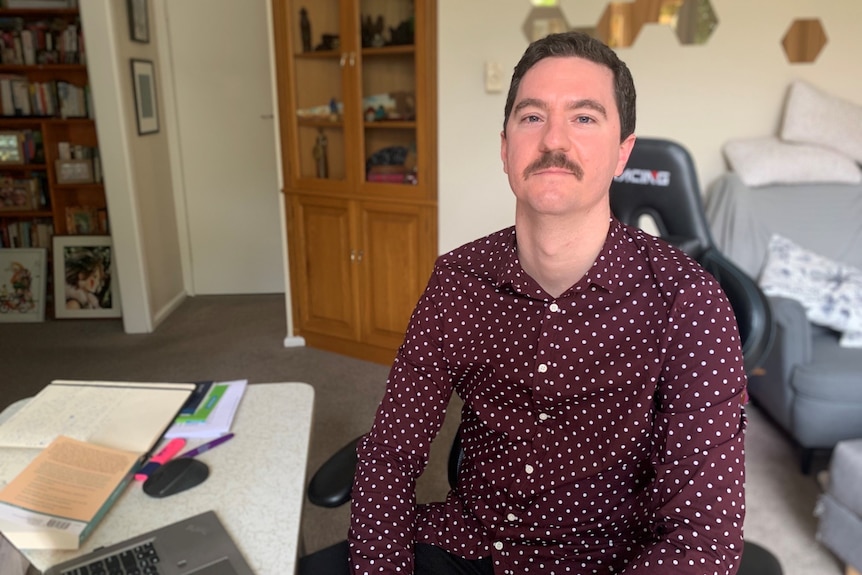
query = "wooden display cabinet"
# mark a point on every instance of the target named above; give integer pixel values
(357, 110)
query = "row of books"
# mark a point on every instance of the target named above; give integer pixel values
(20, 97)
(24, 194)
(40, 42)
(21, 147)
(26, 233)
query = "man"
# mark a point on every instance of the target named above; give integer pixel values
(600, 370)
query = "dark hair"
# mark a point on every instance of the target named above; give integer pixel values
(83, 262)
(579, 45)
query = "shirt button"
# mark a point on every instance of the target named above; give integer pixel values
(511, 517)
(528, 468)
(544, 416)
(543, 368)
(554, 307)
(498, 545)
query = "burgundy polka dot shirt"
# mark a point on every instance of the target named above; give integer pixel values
(602, 430)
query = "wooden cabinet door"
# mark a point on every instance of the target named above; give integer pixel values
(396, 257)
(325, 257)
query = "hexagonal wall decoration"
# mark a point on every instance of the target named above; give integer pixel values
(804, 40)
(542, 21)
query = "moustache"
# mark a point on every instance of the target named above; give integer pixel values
(554, 160)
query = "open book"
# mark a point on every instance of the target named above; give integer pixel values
(70, 452)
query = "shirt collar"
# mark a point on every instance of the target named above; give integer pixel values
(605, 272)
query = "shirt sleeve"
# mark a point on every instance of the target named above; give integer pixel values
(697, 488)
(395, 452)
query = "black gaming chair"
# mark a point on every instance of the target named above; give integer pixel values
(659, 182)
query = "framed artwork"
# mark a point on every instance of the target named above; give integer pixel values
(74, 171)
(139, 22)
(23, 274)
(144, 82)
(85, 278)
(11, 148)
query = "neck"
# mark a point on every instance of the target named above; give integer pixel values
(558, 251)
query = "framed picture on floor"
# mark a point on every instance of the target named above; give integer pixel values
(144, 83)
(23, 274)
(85, 277)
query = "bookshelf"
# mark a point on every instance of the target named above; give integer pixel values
(357, 109)
(52, 184)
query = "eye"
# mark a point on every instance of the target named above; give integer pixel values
(584, 120)
(531, 119)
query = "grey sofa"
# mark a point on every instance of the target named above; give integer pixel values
(808, 385)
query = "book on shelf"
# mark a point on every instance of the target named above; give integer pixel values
(26, 233)
(71, 435)
(28, 42)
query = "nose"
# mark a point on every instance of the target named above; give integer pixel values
(555, 135)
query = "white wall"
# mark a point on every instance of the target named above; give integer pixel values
(701, 96)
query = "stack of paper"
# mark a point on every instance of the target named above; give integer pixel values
(214, 415)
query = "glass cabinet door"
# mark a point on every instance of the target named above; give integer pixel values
(321, 67)
(388, 84)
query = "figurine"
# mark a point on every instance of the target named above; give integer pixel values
(305, 30)
(320, 155)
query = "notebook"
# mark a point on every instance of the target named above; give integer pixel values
(198, 545)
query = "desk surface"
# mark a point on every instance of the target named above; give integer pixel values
(256, 485)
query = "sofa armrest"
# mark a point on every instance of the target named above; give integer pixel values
(794, 331)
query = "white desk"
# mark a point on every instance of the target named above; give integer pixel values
(256, 485)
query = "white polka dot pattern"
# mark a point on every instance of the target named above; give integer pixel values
(602, 430)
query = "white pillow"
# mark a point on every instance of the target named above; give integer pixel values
(830, 292)
(814, 117)
(764, 161)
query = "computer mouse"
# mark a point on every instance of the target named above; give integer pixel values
(176, 476)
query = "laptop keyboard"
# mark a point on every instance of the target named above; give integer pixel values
(139, 560)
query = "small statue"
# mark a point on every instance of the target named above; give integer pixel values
(320, 155)
(305, 30)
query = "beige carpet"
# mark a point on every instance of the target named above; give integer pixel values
(231, 337)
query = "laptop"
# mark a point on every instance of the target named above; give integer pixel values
(198, 545)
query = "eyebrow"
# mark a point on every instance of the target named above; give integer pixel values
(573, 105)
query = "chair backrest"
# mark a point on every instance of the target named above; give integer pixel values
(660, 182)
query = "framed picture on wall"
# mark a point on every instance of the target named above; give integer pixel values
(139, 22)
(22, 284)
(85, 277)
(144, 83)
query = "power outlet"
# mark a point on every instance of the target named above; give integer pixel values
(493, 77)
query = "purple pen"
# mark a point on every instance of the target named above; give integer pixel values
(207, 446)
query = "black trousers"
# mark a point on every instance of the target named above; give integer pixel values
(430, 560)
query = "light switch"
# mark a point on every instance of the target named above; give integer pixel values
(493, 77)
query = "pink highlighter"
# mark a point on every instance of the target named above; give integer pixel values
(166, 454)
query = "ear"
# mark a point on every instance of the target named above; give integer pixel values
(625, 151)
(503, 149)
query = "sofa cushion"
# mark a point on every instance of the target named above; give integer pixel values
(765, 161)
(815, 117)
(830, 292)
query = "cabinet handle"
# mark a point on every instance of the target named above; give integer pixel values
(343, 59)
(352, 59)
(359, 255)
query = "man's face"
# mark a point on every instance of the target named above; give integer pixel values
(561, 147)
